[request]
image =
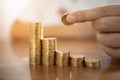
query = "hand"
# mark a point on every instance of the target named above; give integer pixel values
(105, 20)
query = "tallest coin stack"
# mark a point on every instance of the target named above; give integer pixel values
(36, 34)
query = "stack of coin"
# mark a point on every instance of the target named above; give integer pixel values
(48, 51)
(62, 58)
(77, 60)
(36, 33)
(92, 63)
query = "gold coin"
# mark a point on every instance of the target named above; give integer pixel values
(49, 43)
(62, 58)
(92, 63)
(34, 56)
(48, 51)
(64, 21)
(35, 45)
(34, 62)
(77, 60)
(36, 29)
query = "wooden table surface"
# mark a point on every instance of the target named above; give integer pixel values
(14, 64)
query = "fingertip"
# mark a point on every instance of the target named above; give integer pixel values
(71, 18)
(76, 17)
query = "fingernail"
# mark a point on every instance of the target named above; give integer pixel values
(71, 18)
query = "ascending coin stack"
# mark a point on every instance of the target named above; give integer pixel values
(44, 51)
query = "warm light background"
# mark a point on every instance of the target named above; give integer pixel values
(20, 31)
(15, 16)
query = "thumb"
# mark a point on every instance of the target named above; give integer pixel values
(92, 14)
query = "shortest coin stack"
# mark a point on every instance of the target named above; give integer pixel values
(77, 60)
(92, 63)
(62, 58)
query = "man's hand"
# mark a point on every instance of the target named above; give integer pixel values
(105, 20)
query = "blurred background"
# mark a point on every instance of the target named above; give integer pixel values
(15, 16)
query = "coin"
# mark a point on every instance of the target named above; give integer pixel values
(49, 43)
(62, 58)
(35, 56)
(36, 29)
(64, 21)
(35, 46)
(48, 51)
(77, 60)
(92, 63)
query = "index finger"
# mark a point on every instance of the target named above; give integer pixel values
(92, 14)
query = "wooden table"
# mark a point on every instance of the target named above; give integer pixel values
(14, 63)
